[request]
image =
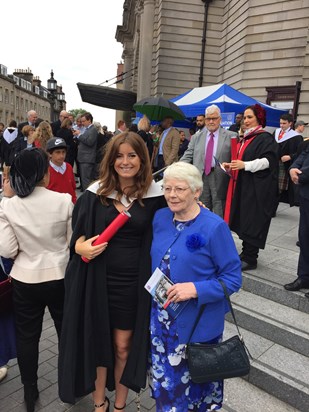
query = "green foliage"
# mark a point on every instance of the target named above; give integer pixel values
(76, 112)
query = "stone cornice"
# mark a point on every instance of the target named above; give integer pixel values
(126, 30)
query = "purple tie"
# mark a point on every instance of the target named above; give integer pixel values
(209, 154)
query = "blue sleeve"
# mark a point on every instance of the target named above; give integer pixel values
(227, 264)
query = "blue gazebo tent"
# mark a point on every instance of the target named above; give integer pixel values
(229, 100)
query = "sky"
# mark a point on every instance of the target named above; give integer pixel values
(75, 39)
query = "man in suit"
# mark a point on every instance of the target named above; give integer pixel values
(57, 124)
(168, 144)
(212, 141)
(32, 119)
(299, 172)
(86, 154)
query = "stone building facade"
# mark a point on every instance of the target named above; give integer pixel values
(260, 48)
(21, 92)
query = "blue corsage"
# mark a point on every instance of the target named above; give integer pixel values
(195, 242)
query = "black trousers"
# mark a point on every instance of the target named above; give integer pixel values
(303, 236)
(249, 253)
(30, 301)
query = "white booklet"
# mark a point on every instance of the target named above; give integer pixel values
(157, 286)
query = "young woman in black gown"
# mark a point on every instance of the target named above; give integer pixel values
(106, 316)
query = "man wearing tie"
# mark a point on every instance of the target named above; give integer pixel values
(213, 141)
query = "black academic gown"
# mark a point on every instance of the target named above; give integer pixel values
(86, 340)
(256, 193)
(289, 147)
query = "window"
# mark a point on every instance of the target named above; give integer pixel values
(17, 102)
(6, 96)
(284, 97)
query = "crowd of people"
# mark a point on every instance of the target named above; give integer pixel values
(112, 334)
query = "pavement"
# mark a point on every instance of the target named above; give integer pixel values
(240, 394)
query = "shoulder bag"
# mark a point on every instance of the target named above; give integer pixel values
(223, 360)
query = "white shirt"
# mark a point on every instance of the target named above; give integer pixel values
(59, 169)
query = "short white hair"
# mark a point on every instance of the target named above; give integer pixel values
(184, 171)
(211, 109)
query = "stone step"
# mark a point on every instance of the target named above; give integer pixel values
(281, 324)
(269, 284)
(277, 370)
(242, 396)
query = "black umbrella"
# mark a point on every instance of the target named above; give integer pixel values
(157, 108)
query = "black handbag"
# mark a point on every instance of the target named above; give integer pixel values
(213, 362)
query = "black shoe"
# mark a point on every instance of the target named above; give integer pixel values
(31, 394)
(307, 295)
(297, 243)
(297, 285)
(248, 266)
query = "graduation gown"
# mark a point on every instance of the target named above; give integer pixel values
(255, 194)
(289, 147)
(86, 338)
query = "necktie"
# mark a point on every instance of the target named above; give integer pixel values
(281, 135)
(209, 154)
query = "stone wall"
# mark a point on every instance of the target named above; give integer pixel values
(250, 45)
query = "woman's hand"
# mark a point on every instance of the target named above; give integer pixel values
(237, 165)
(7, 190)
(182, 291)
(227, 166)
(84, 247)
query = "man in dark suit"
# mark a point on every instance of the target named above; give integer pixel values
(299, 172)
(32, 119)
(57, 124)
(212, 141)
(236, 126)
(86, 153)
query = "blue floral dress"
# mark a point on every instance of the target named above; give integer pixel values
(169, 378)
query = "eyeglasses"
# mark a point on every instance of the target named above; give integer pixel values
(212, 118)
(177, 190)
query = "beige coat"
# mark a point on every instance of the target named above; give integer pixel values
(36, 231)
(170, 146)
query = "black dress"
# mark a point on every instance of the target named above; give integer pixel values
(107, 293)
(122, 265)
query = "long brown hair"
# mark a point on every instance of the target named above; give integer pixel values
(109, 179)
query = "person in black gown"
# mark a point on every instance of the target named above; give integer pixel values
(252, 191)
(106, 316)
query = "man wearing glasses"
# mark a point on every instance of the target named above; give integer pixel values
(212, 142)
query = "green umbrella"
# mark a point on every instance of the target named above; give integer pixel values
(157, 108)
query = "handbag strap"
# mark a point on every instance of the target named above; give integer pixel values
(202, 308)
(231, 308)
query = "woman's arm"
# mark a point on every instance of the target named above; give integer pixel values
(8, 240)
(227, 267)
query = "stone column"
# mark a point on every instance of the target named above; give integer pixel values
(128, 66)
(145, 52)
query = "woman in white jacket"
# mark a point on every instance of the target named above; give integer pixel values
(35, 227)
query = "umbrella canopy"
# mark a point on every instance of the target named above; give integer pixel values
(157, 108)
(195, 101)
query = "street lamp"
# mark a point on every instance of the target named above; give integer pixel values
(52, 95)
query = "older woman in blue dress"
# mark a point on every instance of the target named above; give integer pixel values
(194, 248)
